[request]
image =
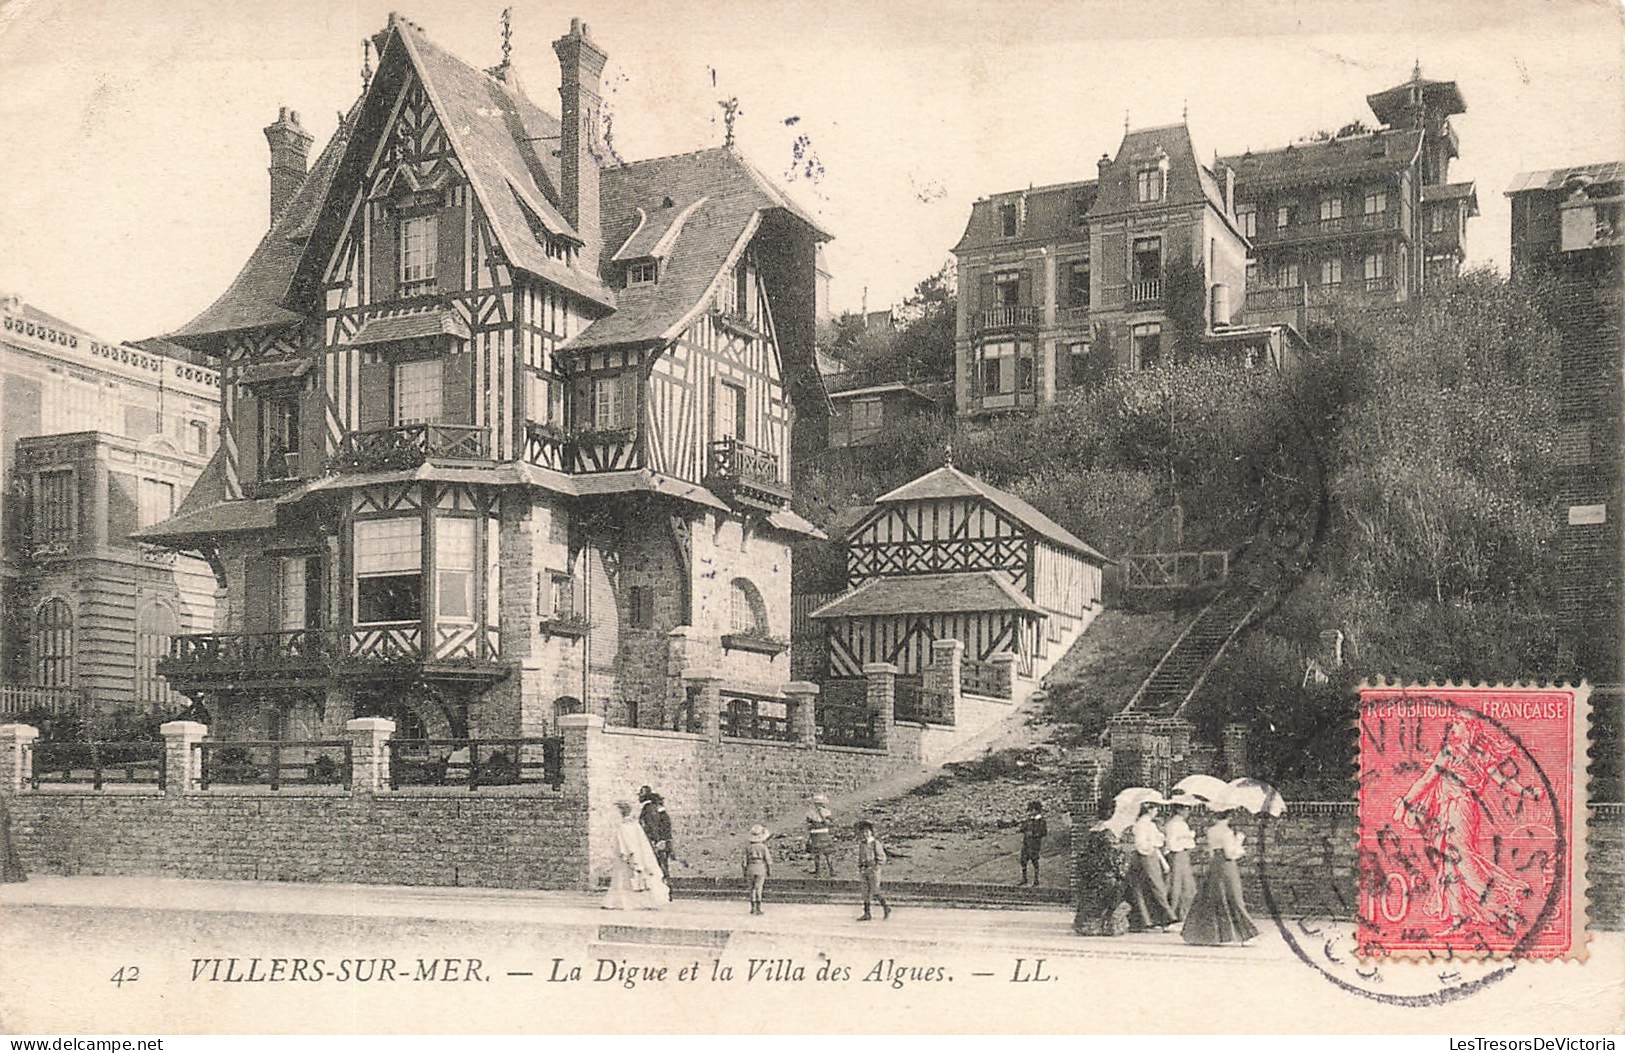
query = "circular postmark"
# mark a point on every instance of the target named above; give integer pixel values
(1459, 864)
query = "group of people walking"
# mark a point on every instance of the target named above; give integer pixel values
(1153, 875)
(640, 872)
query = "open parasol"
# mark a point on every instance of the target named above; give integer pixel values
(1126, 808)
(1204, 790)
(1257, 797)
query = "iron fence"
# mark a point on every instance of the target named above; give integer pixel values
(473, 763)
(275, 763)
(847, 726)
(97, 763)
(983, 678)
(745, 717)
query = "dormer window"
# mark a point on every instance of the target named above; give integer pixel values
(1080, 210)
(1148, 183)
(1008, 220)
(419, 246)
(641, 272)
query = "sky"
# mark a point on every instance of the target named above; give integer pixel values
(133, 173)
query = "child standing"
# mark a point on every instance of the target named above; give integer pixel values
(1033, 832)
(871, 857)
(821, 834)
(758, 865)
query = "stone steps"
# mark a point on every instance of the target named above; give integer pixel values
(850, 891)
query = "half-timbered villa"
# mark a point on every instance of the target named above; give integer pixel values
(506, 421)
(949, 557)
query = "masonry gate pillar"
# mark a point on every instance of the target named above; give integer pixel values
(369, 753)
(16, 752)
(183, 765)
(941, 680)
(882, 699)
(803, 697)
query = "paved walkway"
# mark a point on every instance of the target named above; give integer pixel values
(579, 914)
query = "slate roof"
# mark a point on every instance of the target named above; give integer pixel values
(1453, 192)
(1048, 218)
(1555, 178)
(949, 481)
(966, 591)
(718, 200)
(1390, 104)
(1334, 160)
(411, 325)
(504, 142)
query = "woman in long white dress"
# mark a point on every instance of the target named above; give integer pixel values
(634, 877)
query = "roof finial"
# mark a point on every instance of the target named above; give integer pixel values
(730, 114)
(1125, 121)
(1416, 70)
(948, 454)
(507, 36)
(1185, 112)
(366, 63)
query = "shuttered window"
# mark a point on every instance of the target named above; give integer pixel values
(157, 501)
(419, 247)
(418, 398)
(153, 628)
(54, 507)
(53, 644)
(388, 571)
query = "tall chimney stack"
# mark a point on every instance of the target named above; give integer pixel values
(581, 66)
(290, 151)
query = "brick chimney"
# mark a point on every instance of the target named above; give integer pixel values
(290, 152)
(581, 65)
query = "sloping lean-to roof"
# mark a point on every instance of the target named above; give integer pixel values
(962, 593)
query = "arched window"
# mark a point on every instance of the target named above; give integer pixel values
(747, 613)
(53, 644)
(153, 627)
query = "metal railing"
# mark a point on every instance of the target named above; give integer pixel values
(911, 702)
(1175, 570)
(274, 762)
(97, 763)
(1016, 316)
(845, 725)
(1380, 285)
(983, 678)
(294, 647)
(1075, 315)
(743, 718)
(473, 763)
(409, 445)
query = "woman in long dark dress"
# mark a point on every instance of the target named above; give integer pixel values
(1219, 914)
(13, 865)
(1102, 882)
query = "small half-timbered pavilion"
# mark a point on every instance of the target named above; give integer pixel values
(948, 556)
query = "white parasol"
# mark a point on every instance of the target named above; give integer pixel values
(1126, 808)
(1204, 790)
(1256, 797)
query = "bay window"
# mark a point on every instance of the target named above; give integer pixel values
(454, 569)
(388, 571)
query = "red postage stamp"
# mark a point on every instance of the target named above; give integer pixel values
(1472, 821)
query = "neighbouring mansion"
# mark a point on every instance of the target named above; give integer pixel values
(506, 420)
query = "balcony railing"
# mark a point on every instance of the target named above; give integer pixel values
(1332, 226)
(1013, 317)
(1075, 315)
(409, 445)
(1270, 297)
(1384, 284)
(319, 652)
(1147, 291)
(23, 698)
(746, 475)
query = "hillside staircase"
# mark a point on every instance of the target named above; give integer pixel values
(1267, 567)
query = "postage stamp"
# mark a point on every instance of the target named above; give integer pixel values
(1472, 819)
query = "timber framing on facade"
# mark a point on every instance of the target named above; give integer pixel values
(506, 430)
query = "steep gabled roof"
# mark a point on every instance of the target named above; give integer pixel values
(962, 592)
(1333, 160)
(718, 201)
(949, 481)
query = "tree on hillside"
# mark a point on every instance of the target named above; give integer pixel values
(920, 347)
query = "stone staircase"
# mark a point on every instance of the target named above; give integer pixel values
(1175, 679)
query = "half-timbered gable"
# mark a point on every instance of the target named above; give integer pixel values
(948, 556)
(470, 362)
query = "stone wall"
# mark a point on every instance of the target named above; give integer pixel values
(488, 839)
(718, 786)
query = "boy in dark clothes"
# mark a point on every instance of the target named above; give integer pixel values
(871, 858)
(1033, 832)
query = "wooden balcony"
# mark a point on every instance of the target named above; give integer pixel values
(200, 659)
(744, 475)
(1384, 222)
(407, 446)
(1013, 317)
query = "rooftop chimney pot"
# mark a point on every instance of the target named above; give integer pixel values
(581, 68)
(290, 152)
